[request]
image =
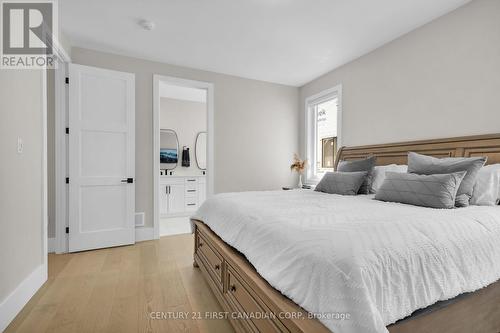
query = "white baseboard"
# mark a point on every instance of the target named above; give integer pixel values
(51, 245)
(14, 303)
(144, 234)
(141, 234)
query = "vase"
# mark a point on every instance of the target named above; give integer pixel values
(300, 181)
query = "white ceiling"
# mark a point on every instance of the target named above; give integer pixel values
(283, 41)
(182, 93)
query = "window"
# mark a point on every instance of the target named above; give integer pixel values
(323, 119)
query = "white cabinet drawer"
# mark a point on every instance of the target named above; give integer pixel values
(191, 185)
(191, 180)
(191, 192)
(191, 207)
(191, 203)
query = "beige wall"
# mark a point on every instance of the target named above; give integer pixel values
(21, 177)
(187, 119)
(255, 126)
(440, 80)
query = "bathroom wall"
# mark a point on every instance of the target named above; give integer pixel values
(187, 119)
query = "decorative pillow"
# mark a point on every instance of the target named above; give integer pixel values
(487, 188)
(366, 164)
(345, 183)
(435, 191)
(427, 165)
(379, 174)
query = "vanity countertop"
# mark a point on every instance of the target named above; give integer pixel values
(180, 176)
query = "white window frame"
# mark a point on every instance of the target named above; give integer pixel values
(311, 176)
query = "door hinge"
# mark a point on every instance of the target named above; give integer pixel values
(67, 230)
(67, 130)
(67, 80)
(67, 180)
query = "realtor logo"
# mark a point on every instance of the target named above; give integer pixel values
(28, 34)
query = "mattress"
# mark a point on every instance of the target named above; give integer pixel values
(355, 263)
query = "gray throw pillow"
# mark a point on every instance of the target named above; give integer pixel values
(435, 191)
(345, 183)
(428, 165)
(366, 164)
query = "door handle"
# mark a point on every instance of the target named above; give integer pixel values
(128, 180)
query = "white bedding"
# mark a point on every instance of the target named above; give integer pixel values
(375, 261)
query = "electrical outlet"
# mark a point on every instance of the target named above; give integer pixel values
(20, 145)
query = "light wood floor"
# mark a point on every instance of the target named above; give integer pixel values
(115, 290)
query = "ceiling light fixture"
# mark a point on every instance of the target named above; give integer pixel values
(147, 24)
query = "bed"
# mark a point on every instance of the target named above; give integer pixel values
(302, 261)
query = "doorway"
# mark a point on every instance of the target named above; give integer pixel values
(183, 151)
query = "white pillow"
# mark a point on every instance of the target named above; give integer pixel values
(379, 174)
(487, 188)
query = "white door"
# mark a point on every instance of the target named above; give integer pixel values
(101, 158)
(176, 198)
(163, 199)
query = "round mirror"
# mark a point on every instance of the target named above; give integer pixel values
(201, 150)
(169, 149)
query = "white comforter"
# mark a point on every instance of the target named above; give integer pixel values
(374, 261)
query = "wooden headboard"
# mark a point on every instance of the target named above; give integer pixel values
(389, 153)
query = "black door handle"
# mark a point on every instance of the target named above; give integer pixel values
(128, 180)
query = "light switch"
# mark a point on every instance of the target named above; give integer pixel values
(20, 145)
